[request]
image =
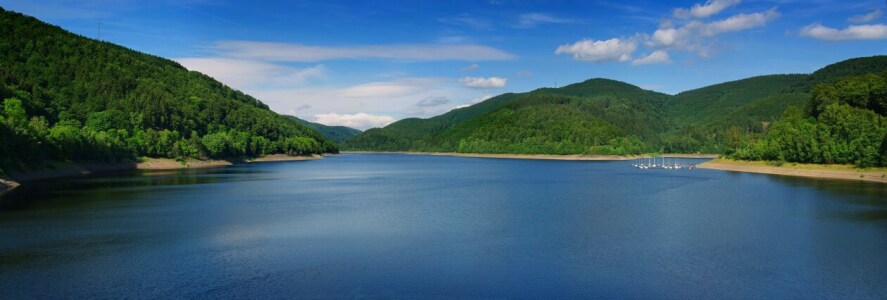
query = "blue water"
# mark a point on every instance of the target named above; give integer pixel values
(431, 226)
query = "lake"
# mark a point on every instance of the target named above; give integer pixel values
(390, 225)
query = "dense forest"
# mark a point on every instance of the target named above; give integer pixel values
(598, 116)
(844, 122)
(336, 134)
(741, 119)
(67, 97)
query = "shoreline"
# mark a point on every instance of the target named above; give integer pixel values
(15, 179)
(569, 157)
(842, 172)
(172, 164)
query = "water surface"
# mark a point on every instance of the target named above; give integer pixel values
(410, 225)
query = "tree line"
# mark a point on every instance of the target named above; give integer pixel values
(843, 123)
(66, 97)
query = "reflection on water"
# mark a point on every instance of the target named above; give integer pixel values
(868, 191)
(410, 226)
(113, 185)
(869, 199)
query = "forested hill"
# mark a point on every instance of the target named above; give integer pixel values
(601, 116)
(67, 97)
(595, 116)
(337, 134)
(403, 134)
(708, 104)
(705, 117)
(844, 122)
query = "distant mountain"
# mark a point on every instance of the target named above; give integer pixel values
(601, 116)
(404, 134)
(579, 118)
(66, 97)
(337, 134)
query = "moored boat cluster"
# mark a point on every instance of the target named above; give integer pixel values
(670, 163)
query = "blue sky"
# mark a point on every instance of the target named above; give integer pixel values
(368, 63)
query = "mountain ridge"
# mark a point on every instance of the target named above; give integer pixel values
(337, 134)
(691, 121)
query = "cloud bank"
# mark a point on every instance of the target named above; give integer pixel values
(293, 52)
(246, 74)
(710, 8)
(657, 57)
(865, 18)
(483, 83)
(853, 32)
(614, 49)
(689, 33)
(361, 120)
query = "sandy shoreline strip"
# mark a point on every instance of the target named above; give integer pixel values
(172, 164)
(537, 156)
(69, 169)
(284, 157)
(844, 172)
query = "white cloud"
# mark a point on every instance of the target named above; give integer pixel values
(657, 57)
(739, 22)
(469, 68)
(670, 37)
(360, 120)
(701, 11)
(534, 19)
(305, 53)
(853, 32)
(483, 83)
(865, 18)
(614, 49)
(694, 36)
(397, 88)
(245, 74)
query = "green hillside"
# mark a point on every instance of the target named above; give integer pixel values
(66, 97)
(579, 118)
(404, 135)
(713, 103)
(844, 123)
(851, 67)
(336, 134)
(606, 116)
(702, 116)
(705, 116)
